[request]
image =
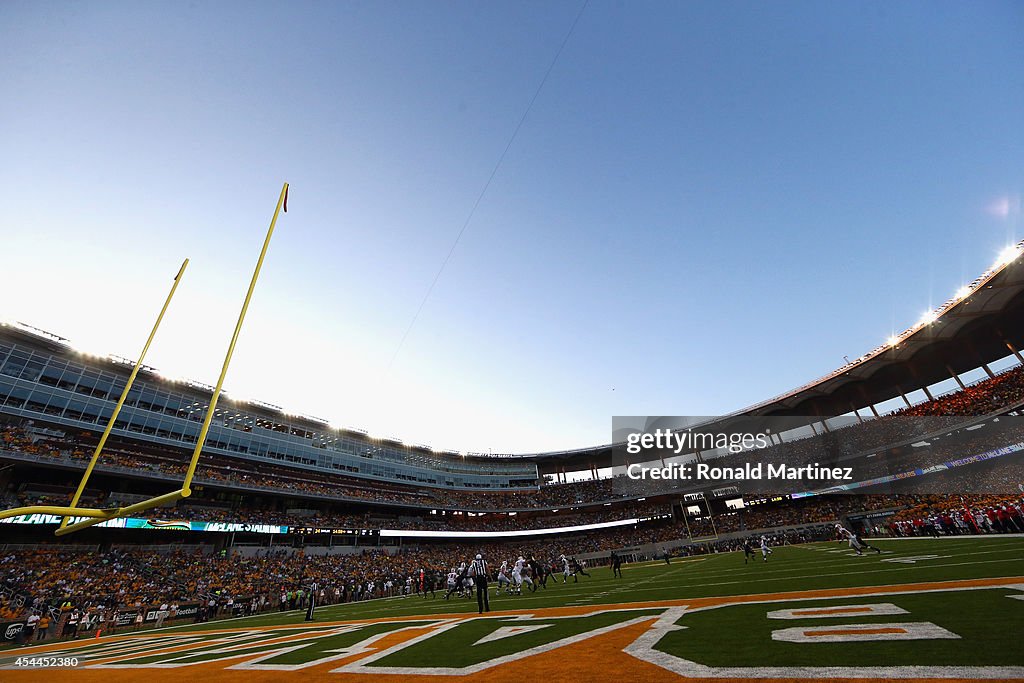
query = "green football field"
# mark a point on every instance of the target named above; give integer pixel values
(789, 568)
(922, 608)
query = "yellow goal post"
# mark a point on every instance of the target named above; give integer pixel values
(97, 515)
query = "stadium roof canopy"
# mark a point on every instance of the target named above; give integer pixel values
(983, 323)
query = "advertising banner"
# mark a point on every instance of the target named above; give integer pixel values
(165, 524)
(126, 618)
(10, 630)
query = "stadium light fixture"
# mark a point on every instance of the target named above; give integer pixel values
(963, 292)
(1007, 256)
(892, 341)
(928, 318)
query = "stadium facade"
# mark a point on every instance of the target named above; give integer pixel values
(43, 378)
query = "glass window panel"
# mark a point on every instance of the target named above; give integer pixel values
(14, 366)
(34, 405)
(33, 369)
(52, 373)
(90, 413)
(17, 396)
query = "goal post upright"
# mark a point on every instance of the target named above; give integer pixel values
(124, 394)
(185, 491)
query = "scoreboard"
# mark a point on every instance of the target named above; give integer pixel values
(313, 531)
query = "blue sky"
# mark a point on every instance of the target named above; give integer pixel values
(708, 203)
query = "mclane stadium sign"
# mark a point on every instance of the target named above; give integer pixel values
(166, 524)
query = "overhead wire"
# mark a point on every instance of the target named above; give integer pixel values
(486, 186)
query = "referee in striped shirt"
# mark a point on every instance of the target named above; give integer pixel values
(478, 570)
(313, 590)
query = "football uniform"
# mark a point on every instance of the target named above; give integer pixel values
(616, 563)
(765, 550)
(456, 581)
(848, 535)
(856, 542)
(503, 575)
(538, 573)
(518, 575)
(748, 552)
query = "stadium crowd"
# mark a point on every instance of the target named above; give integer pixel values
(954, 515)
(983, 398)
